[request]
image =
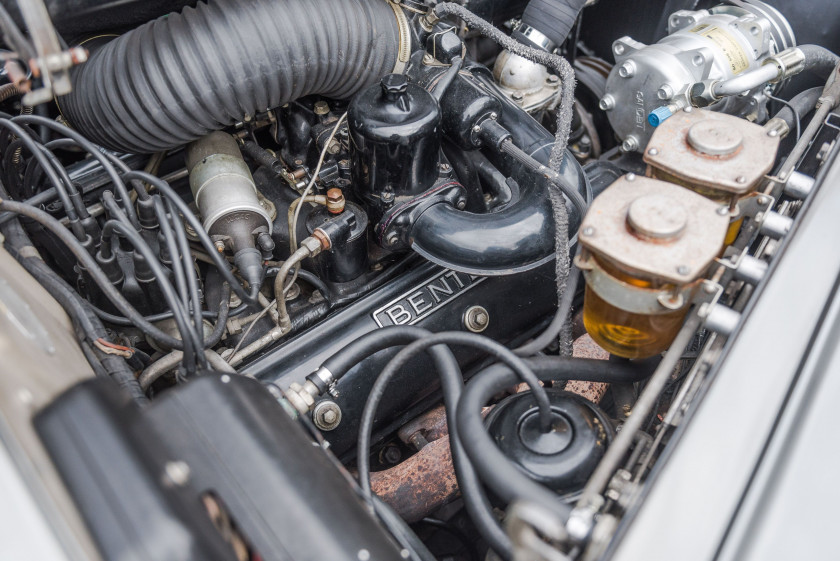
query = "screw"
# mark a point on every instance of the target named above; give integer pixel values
(740, 179)
(176, 473)
(607, 103)
(628, 69)
(683, 270)
(461, 204)
(762, 200)
(517, 97)
(476, 129)
(588, 231)
(723, 210)
(392, 238)
(653, 151)
(220, 246)
(494, 116)
(630, 177)
(326, 415)
(445, 168)
(772, 133)
(387, 196)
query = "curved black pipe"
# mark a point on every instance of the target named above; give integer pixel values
(518, 237)
(180, 77)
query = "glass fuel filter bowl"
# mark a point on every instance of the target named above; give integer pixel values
(646, 245)
(719, 156)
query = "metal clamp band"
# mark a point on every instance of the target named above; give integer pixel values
(535, 37)
(633, 299)
(404, 50)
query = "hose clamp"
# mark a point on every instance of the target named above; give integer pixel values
(536, 37)
(404, 49)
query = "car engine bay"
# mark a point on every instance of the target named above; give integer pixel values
(390, 279)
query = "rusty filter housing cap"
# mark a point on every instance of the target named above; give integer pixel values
(714, 138)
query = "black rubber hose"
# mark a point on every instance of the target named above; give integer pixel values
(819, 60)
(494, 468)
(552, 332)
(552, 18)
(177, 78)
(800, 105)
(452, 385)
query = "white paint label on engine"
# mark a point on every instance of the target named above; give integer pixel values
(736, 58)
(426, 299)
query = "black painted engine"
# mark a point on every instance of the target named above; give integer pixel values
(430, 279)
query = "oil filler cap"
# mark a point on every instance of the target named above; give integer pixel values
(563, 458)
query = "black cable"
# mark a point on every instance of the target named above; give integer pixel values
(124, 322)
(192, 345)
(309, 277)
(452, 384)
(222, 265)
(60, 189)
(221, 320)
(92, 268)
(91, 149)
(188, 265)
(172, 249)
(87, 326)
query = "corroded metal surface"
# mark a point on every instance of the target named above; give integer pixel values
(585, 347)
(421, 484)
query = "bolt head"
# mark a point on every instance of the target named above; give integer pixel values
(588, 231)
(653, 151)
(723, 211)
(665, 92)
(628, 69)
(220, 246)
(630, 177)
(740, 179)
(176, 473)
(392, 238)
(630, 144)
(517, 96)
(683, 270)
(607, 103)
(461, 204)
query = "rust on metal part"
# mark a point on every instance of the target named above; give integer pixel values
(585, 347)
(421, 484)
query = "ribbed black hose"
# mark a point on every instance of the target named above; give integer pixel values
(819, 60)
(552, 18)
(800, 105)
(177, 78)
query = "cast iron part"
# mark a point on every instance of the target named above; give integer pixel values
(347, 258)
(395, 130)
(561, 459)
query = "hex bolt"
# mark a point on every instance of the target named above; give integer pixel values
(607, 103)
(326, 415)
(552, 80)
(461, 204)
(220, 246)
(445, 168)
(476, 319)
(392, 238)
(392, 455)
(628, 69)
(517, 97)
